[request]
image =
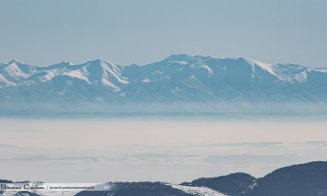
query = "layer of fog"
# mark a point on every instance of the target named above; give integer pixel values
(174, 150)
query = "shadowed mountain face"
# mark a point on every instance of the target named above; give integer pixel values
(297, 180)
(176, 79)
(308, 179)
(233, 184)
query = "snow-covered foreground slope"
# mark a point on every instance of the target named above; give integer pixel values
(199, 191)
(176, 79)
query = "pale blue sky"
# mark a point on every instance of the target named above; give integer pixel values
(142, 31)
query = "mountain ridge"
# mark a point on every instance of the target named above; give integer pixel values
(176, 79)
(295, 180)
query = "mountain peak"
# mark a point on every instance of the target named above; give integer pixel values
(179, 57)
(67, 63)
(99, 61)
(14, 61)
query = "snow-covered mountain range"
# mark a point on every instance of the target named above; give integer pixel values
(178, 78)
